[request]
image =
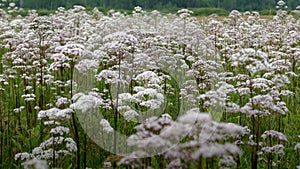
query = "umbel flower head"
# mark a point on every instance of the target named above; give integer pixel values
(205, 138)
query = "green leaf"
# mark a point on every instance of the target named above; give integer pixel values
(70, 166)
(18, 145)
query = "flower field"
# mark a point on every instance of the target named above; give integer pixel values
(83, 89)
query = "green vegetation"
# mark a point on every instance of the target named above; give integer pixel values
(242, 5)
(209, 11)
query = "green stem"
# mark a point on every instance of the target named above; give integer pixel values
(76, 134)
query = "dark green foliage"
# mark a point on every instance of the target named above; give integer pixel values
(242, 5)
(209, 11)
(267, 12)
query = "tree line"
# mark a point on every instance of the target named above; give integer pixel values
(242, 5)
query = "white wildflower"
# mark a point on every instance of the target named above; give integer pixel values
(106, 126)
